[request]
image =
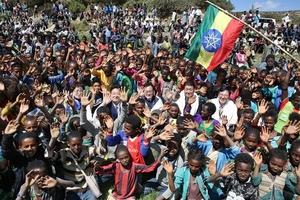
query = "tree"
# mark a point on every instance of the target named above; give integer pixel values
(165, 7)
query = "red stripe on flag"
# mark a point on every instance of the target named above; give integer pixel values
(229, 36)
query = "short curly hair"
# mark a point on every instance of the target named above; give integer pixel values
(244, 158)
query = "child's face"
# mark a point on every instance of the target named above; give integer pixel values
(75, 145)
(292, 137)
(276, 165)
(181, 130)
(129, 131)
(295, 156)
(154, 116)
(139, 107)
(173, 112)
(77, 93)
(173, 148)
(234, 72)
(52, 71)
(218, 141)
(124, 158)
(91, 62)
(205, 112)
(58, 111)
(164, 75)
(248, 117)
(251, 142)
(31, 126)
(29, 147)
(194, 166)
(97, 87)
(269, 122)
(243, 171)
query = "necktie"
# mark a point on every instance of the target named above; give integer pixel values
(220, 111)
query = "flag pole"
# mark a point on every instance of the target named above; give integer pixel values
(253, 29)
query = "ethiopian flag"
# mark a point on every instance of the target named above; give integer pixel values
(214, 39)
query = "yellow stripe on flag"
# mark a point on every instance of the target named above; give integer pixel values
(220, 23)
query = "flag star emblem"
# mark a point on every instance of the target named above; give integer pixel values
(212, 40)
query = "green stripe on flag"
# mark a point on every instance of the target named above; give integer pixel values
(207, 22)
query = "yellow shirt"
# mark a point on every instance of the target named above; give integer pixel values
(104, 80)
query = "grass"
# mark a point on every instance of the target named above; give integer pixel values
(150, 196)
(82, 27)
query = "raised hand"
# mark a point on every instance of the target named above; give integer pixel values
(144, 67)
(11, 127)
(165, 136)
(150, 132)
(64, 117)
(192, 100)
(47, 182)
(163, 152)
(93, 91)
(55, 94)
(257, 157)
(293, 127)
(221, 130)
(240, 122)
(85, 98)
(39, 101)
(239, 133)
(227, 170)
(48, 89)
(133, 99)
(24, 107)
(169, 128)
(124, 94)
(166, 106)
(141, 91)
(147, 112)
(20, 97)
(212, 167)
(264, 134)
(54, 130)
(168, 94)
(239, 104)
(70, 101)
(41, 120)
(109, 122)
(291, 65)
(224, 119)
(102, 133)
(262, 106)
(103, 89)
(31, 177)
(2, 88)
(161, 120)
(189, 124)
(297, 170)
(60, 98)
(106, 98)
(168, 167)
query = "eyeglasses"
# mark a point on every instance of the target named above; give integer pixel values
(148, 91)
(78, 91)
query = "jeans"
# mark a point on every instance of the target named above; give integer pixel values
(152, 185)
(88, 195)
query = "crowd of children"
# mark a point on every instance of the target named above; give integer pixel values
(75, 116)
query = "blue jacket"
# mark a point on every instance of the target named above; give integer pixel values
(224, 154)
(182, 180)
